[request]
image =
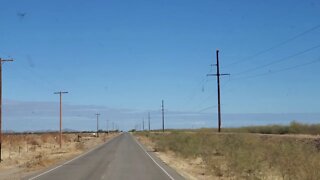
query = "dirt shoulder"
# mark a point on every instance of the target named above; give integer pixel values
(192, 169)
(23, 155)
(204, 155)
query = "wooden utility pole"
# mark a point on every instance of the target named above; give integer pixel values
(107, 126)
(218, 86)
(97, 124)
(143, 124)
(60, 133)
(1, 61)
(162, 116)
(149, 120)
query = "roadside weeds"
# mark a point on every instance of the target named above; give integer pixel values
(238, 156)
(24, 154)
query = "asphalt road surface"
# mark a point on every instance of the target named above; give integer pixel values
(121, 158)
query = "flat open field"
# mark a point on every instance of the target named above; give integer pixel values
(23, 154)
(207, 155)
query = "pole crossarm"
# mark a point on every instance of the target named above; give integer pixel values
(6, 60)
(218, 74)
(224, 74)
(61, 92)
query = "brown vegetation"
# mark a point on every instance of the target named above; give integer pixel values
(293, 128)
(243, 155)
(23, 153)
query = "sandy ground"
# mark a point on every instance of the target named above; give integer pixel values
(191, 169)
(26, 154)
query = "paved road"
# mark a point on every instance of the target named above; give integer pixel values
(122, 158)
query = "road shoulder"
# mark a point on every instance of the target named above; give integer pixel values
(172, 173)
(35, 174)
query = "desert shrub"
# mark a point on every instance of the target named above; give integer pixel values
(48, 138)
(34, 142)
(245, 156)
(13, 140)
(68, 137)
(293, 128)
(80, 146)
(37, 160)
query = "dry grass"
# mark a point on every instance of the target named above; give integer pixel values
(245, 156)
(23, 153)
(293, 128)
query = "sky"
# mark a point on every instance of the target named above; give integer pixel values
(121, 58)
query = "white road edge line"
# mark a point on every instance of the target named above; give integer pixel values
(154, 160)
(81, 155)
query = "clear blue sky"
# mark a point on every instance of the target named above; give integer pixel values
(122, 58)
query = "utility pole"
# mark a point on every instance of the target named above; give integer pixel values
(60, 134)
(97, 124)
(218, 85)
(107, 126)
(112, 126)
(1, 61)
(162, 116)
(143, 124)
(149, 120)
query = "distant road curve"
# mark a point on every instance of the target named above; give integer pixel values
(121, 158)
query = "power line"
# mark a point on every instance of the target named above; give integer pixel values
(275, 46)
(32, 75)
(202, 83)
(279, 60)
(207, 108)
(205, 99)
(280, 70)
(202, 103)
